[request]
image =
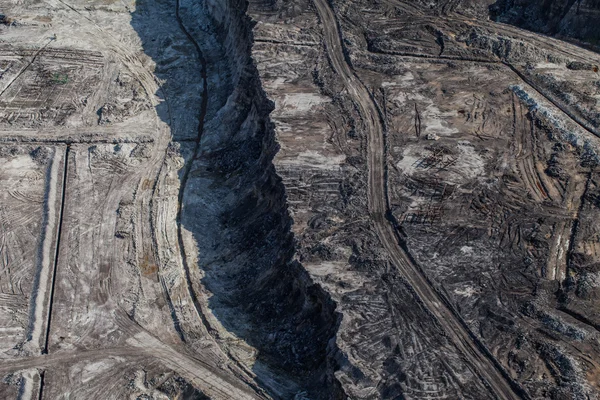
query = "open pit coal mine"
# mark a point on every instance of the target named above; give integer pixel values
(300, 199)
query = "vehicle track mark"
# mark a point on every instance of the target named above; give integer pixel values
(478, 356)
(25, 68)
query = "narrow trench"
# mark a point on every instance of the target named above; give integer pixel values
(44, 349)
(57, 249)
(41, 388)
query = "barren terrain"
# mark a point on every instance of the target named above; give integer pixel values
(299, 199)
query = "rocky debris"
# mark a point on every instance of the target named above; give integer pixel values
(581, 66)
(5, 20)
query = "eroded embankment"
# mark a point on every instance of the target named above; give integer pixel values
(235, 206)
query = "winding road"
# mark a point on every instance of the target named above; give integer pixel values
(477, 356)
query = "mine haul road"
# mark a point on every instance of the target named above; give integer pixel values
(479, 359)
(211, 380)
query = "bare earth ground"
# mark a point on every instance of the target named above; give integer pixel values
(438, 172)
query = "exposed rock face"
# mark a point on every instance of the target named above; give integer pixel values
(235, 206)
(576, 19)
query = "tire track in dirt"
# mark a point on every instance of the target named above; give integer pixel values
(477, 355)
(550, 44)
(26, 67)
(417, 14)
(217, 381)
(213, 381)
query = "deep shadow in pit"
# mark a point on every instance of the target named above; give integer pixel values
(232, 199)
(572, 20)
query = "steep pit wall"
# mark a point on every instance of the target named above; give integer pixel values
(235, 206)
(565, 18)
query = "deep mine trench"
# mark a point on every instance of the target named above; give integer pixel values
(188, 166)
(262, 278)
(183, 184)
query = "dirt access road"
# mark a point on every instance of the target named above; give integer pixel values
(212, 381)
(478, 357)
